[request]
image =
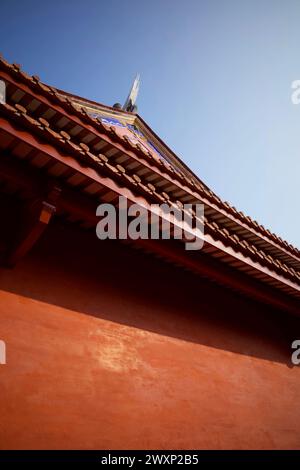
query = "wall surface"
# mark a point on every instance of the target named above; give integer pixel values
(110, 348)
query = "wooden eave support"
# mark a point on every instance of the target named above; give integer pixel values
(35, 219)
(203, 265)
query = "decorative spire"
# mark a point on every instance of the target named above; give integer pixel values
(132, 97)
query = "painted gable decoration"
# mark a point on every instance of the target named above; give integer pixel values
(132, 132)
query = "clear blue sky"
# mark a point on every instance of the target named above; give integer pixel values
(216, 83)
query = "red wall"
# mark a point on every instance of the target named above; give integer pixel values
(108, 347)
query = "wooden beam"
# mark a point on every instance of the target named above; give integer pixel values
(35, 218)
(204, 265)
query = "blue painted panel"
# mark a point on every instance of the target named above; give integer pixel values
(109, 121)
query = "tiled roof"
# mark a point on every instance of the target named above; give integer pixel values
(81, 151)
(67, 103)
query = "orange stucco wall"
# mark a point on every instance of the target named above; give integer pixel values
(108, 347)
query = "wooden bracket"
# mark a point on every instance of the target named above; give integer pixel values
(35, 218)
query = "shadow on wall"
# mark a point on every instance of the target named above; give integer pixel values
(109, 280)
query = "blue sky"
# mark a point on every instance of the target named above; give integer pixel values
(216, 83)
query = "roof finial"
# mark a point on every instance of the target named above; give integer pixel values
(132, 97)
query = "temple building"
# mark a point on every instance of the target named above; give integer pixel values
(132, 344)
